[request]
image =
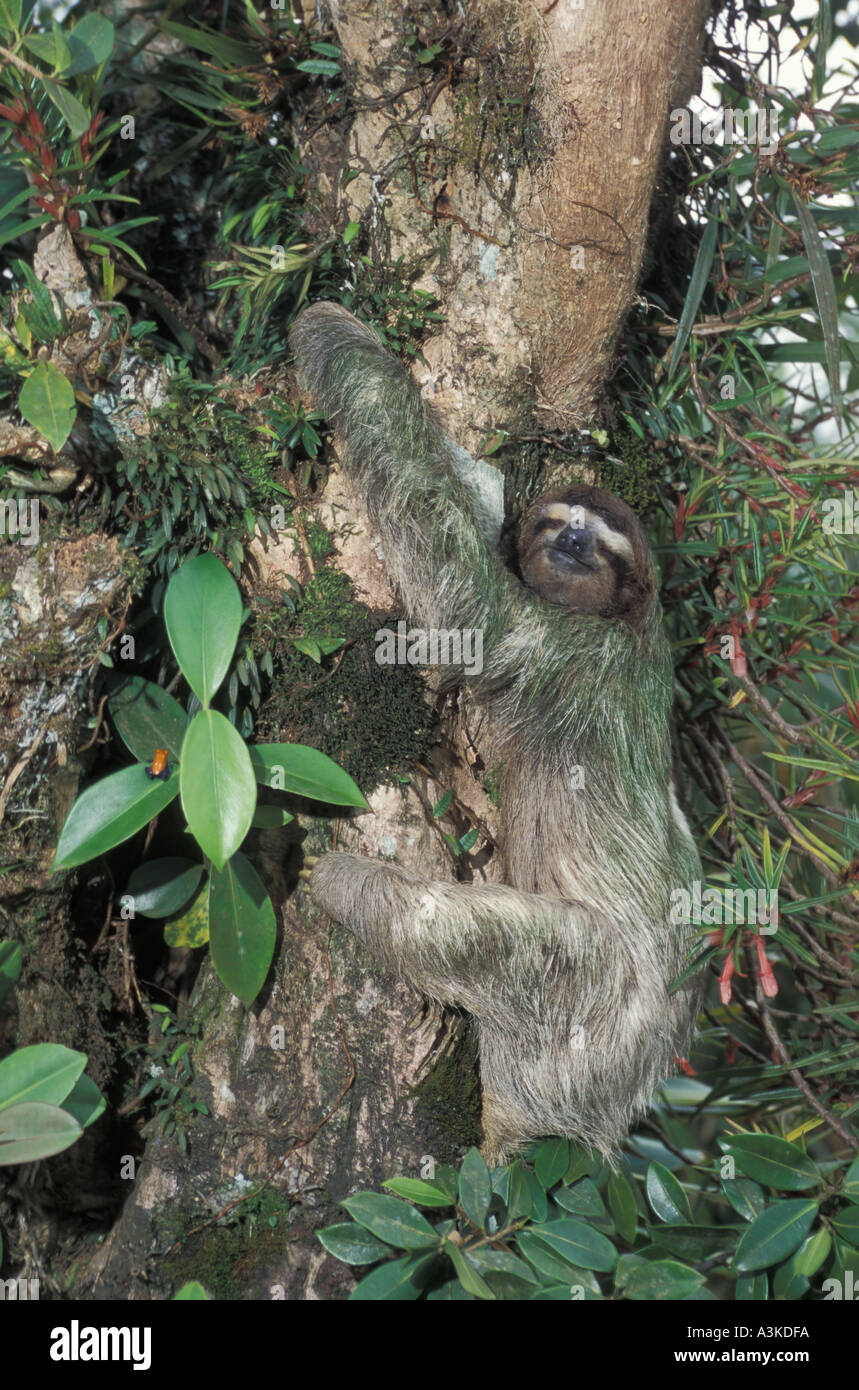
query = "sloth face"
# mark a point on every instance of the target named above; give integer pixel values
(584, 548)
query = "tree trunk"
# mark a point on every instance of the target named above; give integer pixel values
(513, 173)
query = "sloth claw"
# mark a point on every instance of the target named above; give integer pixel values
(310, 862)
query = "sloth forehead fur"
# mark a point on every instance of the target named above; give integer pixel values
(584, 548)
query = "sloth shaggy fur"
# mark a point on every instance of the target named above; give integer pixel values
(566, 966)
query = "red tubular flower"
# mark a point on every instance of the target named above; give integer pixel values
(725, 978)
(769, 984)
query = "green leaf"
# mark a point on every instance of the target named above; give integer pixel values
(467, 1275)
(417, 1190)
(35, 1130)
(813, 1251)
(548, 1263)
(827, 302)
(111, 811)
(391, 1282)
(694, 294)
(578, 1243)
(308, 647)
(745, 1197)
(90, 43)
(583, 1199)
(324, 67)
(850, 1186)
(490, 1261)
(218, 786)
(775, 1234)
(242, 927)
(846, 1224)
(76, 116)
(772, 1161)
(161, 887)
(270, 818)
(352, 230)
(10, 966)
(146, 718)
(302, 771)
(551, 1161)
(10, 16)
(752, 1288)
(85, 1102)
(443, 803)
(226, 50)
(475, 1188)
(695, 1242)
(392, 1221)
(44, 1072)
(203, 614)
(623, 1207)
(192, 1292)
(191, 927)
(47, 402)
(666, 1196)
(352, 1244)
(659, 1280)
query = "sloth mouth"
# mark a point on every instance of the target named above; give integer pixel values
(568, 559)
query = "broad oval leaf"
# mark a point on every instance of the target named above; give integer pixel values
(47, 402)
(623, 1207)
(695, 1242)
(578, 1243)
(44, 1072)
(548, 1263)
(35, 1130)
(91, 44)
(85, 1102)
(350, 1243)
(292, 767)
(583, 1199)
(218, 786)
(417, 1190)
(392, 1221)
(551, 1160)
(666, 1196)
(191, 927)
(846, 1224)
(773, 1161)
(813, 1251)
(161, 887)
(850, 1186)
(775, 1234)
(111, 811)
(745, 1197)
(242, 927)
(467, 1275)
(146, 718)
(752, 1288)
(76, 116)
(475, 1188)
(661, 1280)
(203, 614)
(391, 1282)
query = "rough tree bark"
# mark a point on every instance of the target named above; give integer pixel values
(520, 172)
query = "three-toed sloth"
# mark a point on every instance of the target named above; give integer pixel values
(567, 965)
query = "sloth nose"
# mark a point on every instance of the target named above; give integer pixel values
(574, 541)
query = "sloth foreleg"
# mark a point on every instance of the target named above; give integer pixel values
(463, 944)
